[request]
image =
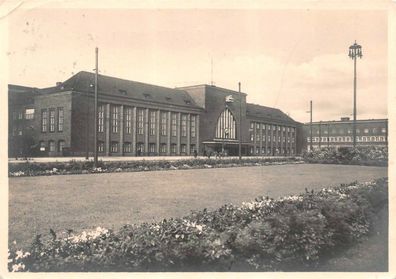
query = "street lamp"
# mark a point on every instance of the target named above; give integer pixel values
(355, 51)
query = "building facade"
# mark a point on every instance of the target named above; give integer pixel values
(136, 119)
(340, 133)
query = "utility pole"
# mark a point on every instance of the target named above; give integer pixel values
(328, 135)
(240, 123)
(320, 133)
(310, 125)
(96, 111)
(355, 51)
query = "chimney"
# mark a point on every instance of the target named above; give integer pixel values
(58, 84)
(344, 118)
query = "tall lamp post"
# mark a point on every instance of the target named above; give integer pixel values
(96, 111)
(355, 51)
(240, 123)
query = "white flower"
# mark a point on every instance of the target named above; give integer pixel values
(18, 267)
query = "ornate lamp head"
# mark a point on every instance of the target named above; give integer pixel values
(355, 50)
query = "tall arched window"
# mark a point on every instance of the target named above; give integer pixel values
(226, 126)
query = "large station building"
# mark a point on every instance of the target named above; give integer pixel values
(138, 119)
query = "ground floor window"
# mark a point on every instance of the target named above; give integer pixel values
(152, 147)
(61, 145)
(127, 147)
(114, 146)
(173, 148)
(139, 148)
(163, 148)
(183, 148)
(100, 146)
(51, 145)
(192, 148)
(263, 150)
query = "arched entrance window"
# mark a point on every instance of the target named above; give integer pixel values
(226, 125)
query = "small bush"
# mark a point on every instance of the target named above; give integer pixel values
(290, 233)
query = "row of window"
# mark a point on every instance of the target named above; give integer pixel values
(52, 146)
(268, 138)
(349, 131)
(52, 118)
(271, 151)
(348, 139)
(163, 121)
(269, 127)
(127, 147)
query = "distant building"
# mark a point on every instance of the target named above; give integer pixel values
(340, 133)
(142, 119)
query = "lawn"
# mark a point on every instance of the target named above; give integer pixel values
(80, 202)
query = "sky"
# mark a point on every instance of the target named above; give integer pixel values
(283, 57)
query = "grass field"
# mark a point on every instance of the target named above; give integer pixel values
(80, 202)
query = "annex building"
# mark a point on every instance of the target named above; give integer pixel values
(339, 133)
(138, 119)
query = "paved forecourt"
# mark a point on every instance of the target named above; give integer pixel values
(80, 202)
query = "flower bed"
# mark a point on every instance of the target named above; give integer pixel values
(290, 233)
(84, 167)
(368, 156)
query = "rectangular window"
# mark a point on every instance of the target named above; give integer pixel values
(163, 148)
(20, 115)
(366, 131)
(101, 109)
(61, 145)
(269, 138)
(257, 137)
(152, 123)
(51, 144)
(52, 120)
(114, 119)
(174, 125)
(252, 125)
(29, 113)
(251, 137)
(128, 121)
(60, 119)
(114, 147)
(173, 148)
(183, 125)
(151, 147)
(192, 148)
(163, 123)
(44, 120)
(140, 115)
(127, 147)
(139, 148)
(183, 148)
(257, 126)
(100, 146)
(193, 126)
(383, 130)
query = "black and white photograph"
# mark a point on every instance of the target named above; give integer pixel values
(248, 138)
